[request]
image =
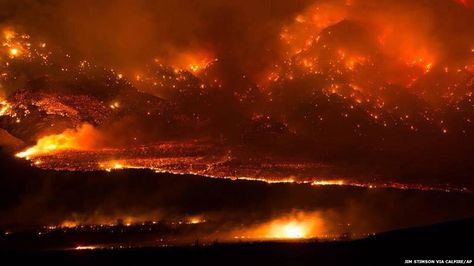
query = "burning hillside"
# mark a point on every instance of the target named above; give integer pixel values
(351, 93)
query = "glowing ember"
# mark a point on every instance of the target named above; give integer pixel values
(115, 105)
(329, 183)
(13, 52)
(86, 247)
(195, 220)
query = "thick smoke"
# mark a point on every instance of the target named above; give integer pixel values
(129, 34)
(378, 88)
(340, 79)
(244, 36)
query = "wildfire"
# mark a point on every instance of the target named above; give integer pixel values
(314, 44)
(86, 247)
(8, 34)
(5, 107)
(16, 45)
(82, 138)
(114, 165)
(181, 166)
(69, 224)
(195, 220)
(194, 62)
(292, 230)
(298, 225)
(329, 183)
(101, 220)
(335, 107)
(302, 34)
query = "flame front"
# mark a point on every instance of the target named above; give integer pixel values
(290, 230)
(82, 138)
(5, 107)
(298, 225)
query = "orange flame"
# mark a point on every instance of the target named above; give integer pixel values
(5, 107)
(194, 62)
(82, 138)
(299, 225)
(16, 45)
(86, 247)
